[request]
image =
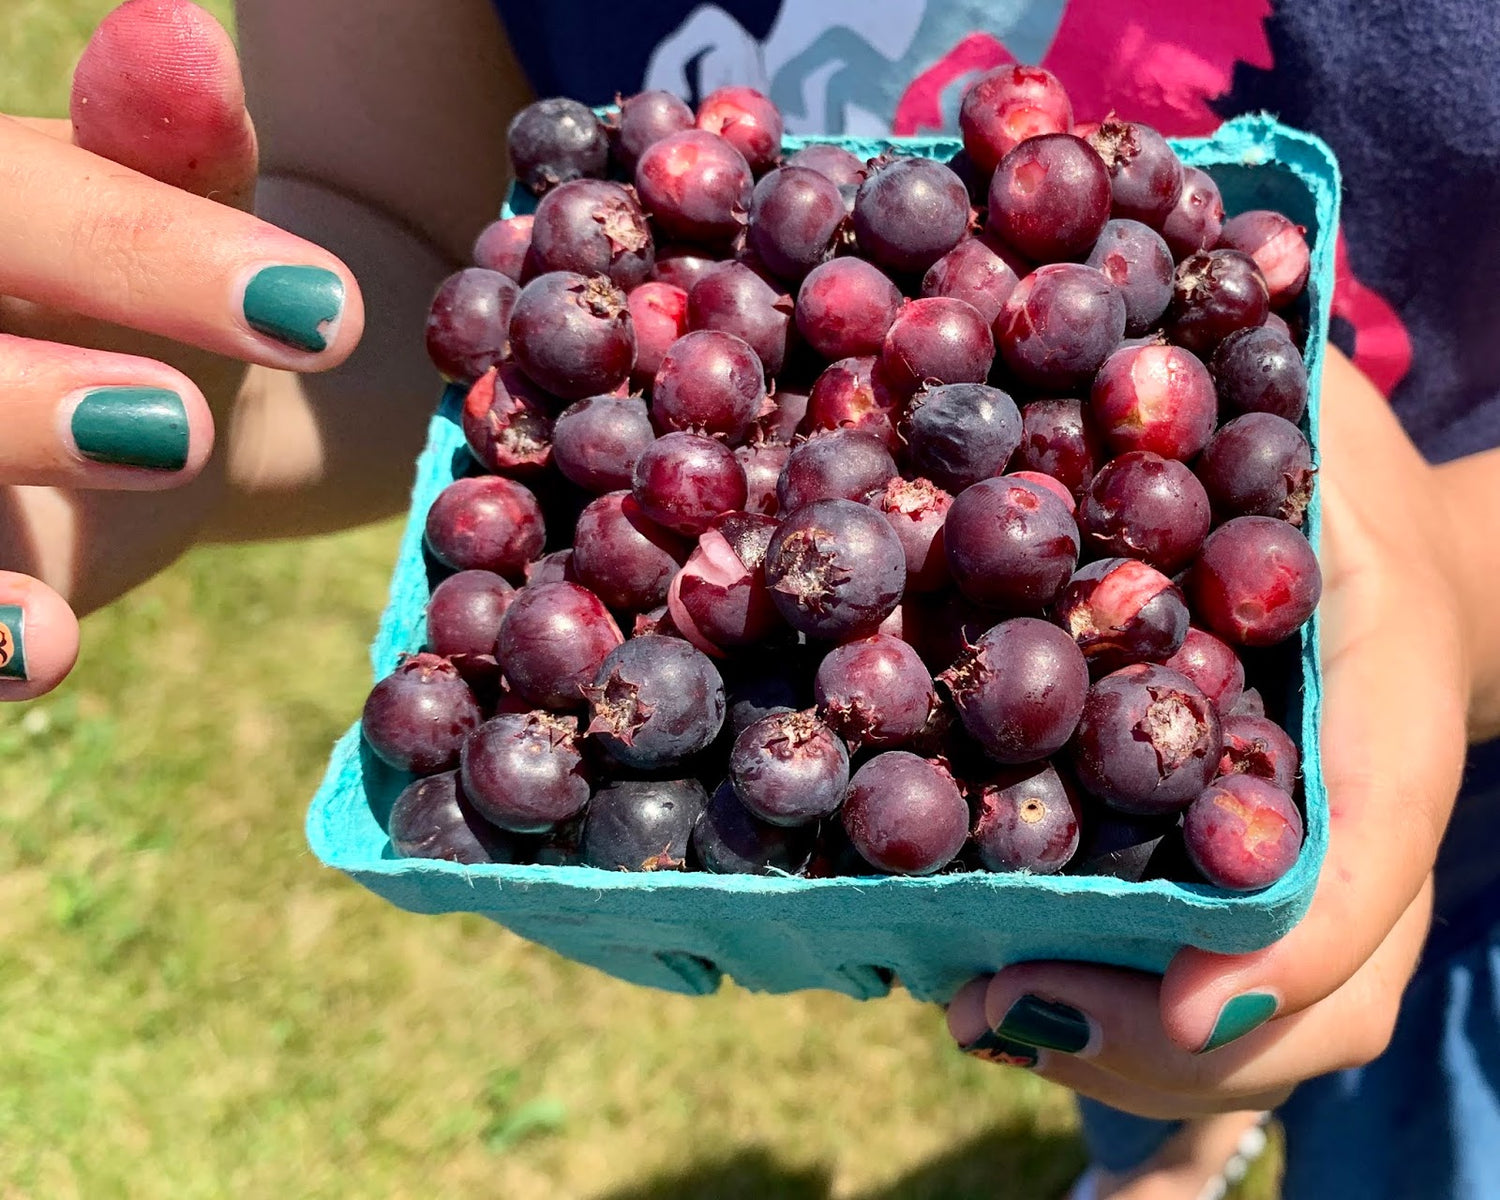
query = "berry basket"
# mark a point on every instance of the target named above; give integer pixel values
(684, 931)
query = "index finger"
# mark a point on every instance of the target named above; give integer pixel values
(78, 232)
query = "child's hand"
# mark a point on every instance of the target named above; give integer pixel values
(125, 231)
(1325, 997)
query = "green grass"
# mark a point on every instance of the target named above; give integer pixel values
(193, 1007)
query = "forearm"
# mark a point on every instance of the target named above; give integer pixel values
(1470, 489)
(310, 453)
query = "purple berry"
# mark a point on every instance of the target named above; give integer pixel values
(795, 216)
(1243, 833)
(645, 119)
(909, 213)
(1154, 397)
(835, 569)
(682, 481)
(507, 432)
(1257, 465)
(731, 840)
(1007, 105)
(696, 186)
(1214, 293)
(1028, 820)
(709, 382)
(841, 464)
(1019, 689)
(1121, 611)
(624, 557)
(853, 394)
(432, 818)
(485, 523)
(905, 815)
(1050, 198)
(597, 442)
(642, 825)
(1260, 370)
(468, 325)
(1255, 582)
(502, 246)
(660, 314)
(524, 772)
(463, 620)
(1195, 222)
(654, 702)
(834, 163)
(416, 718)
(1011, 544)
(874, 692)
(937, 340)
(1145, 174)
(845, 307)
(1136, 260)
(573, 335)
(788, 768)
(552, 639)
(960, 433)
(592, 227)
(1148, 740)
(1258, 746)
(1143, 506)
(555, 140)
(1059, 325)
(762, 463)
(917, 511)
(747, 120)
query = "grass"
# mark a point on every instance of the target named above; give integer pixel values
(194, 1008)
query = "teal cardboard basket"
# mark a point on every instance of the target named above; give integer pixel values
(685, 931)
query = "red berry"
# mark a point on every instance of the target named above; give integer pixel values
(1255, 582)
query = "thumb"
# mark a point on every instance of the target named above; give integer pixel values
(158, 89)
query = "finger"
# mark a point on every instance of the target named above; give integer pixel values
(89, 419)
(158, 89)
(59, 129)
(1108, 1019)
(38, 637)
(92, 237)
(1393, 735)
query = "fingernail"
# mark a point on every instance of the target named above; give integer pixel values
(1046, 1023)
(297, 306)
(132, 426)
(991, 1047)
(13, 642)
(1238, 1017)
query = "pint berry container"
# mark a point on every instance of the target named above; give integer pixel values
(686, 931)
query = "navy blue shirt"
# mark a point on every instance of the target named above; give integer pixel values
(1407, 92)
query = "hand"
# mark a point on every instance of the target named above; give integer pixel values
(136, 289)
(1222, 1033)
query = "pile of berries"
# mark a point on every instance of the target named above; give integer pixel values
(835, 517)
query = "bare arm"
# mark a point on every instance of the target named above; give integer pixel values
(1471, 490)
(382, 130)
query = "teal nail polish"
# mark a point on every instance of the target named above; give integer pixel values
(292, 304)
(1238, 1017)
(133, 426)
(12, 642)
(1046, 1023)
(991, 1047)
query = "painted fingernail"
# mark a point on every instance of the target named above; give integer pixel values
(991, 1047)
(132, 426)
(297, 306)
(1238, 1017)
(1046, 1023)
(13, 642)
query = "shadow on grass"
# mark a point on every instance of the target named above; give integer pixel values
(1003, 1164)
